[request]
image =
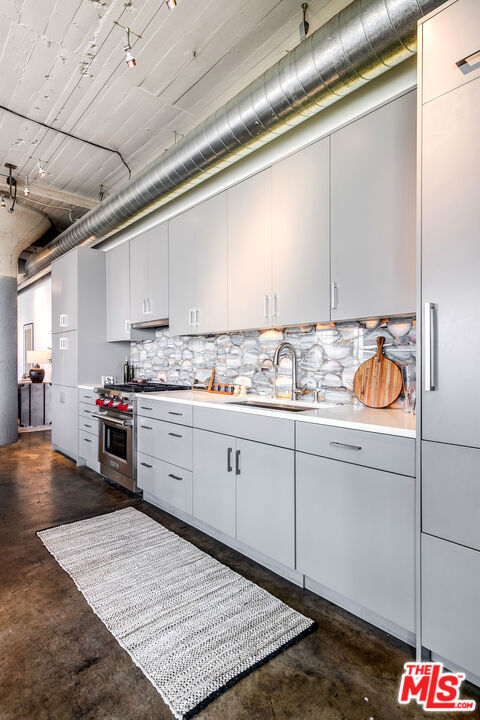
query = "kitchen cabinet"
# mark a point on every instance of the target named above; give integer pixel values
(166, 441)
(214, 480)
(65, 358)
(301, 236)
(450, 261)
(373, 213)
(149, 275)
(118, 292)
(356, 535)
(249, 253)
(164, 483)
(265, 499)
(451, 602)
(198, 268)
(65, 290)
(65, 422)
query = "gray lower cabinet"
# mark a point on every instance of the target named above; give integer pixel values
(356, 535)
(165, 483)
(214, 480)
(265, 499)
(451, 493)
(451, 602)
(88, 449)
(65, 414)
(373, 201)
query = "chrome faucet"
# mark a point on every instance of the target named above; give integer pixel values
(296, 391)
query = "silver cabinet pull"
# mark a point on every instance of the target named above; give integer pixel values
(88, 412)
(469, 63)
(63, 343)
(89, 397)
(127, 327)
(333, 296)
(146, 465)
(86, 425)
(175, 477)
(146, 427)
(197, 315)
(429, 318)
(63, 320)
(229, 459)
(266, 302)
(171, 412)
(86, 440)
(175, 435)
(275, 305)
(191, 315)
(345, 445)
(237, 462)
(142, 407)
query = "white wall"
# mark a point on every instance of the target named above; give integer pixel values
(35, 305)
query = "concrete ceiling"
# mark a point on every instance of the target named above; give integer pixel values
(63, 63)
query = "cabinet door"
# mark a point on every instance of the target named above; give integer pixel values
(181, 259)
(301, 236)
(118, 293)
(138, 278)
(249, 253)
(214, 480)
(65, 358)
(211, 266)
(65, 419)
(450, 262)
(356, 534)
(451, 602)
(157, 273)
(266, 500)
(373, 213)
(65, 293)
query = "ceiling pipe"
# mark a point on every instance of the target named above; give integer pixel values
(361, 42)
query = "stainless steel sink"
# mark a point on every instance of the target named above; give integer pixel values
(271, 406)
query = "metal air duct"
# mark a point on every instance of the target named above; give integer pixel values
(359, 43)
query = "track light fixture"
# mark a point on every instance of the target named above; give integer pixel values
(41, 169)
(26, 189)
(171, 4)
(2, 204)
(130, 60)
(304, 25)
(12, 191)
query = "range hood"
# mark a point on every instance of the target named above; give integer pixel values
(145, 324)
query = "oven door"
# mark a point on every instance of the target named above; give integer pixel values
(115, 450)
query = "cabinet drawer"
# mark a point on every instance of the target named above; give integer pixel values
(383, 452)
(165, 441)
(162, 481)
(260, 428)
(451, 40)
(87, 396)
(89, 425)
(451, 493)
(451, 602)
(164, 410)
(88, 448)
(86, 411)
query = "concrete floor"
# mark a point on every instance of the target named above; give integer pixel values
(58, 661)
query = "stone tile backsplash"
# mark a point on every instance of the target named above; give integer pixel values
(328, 356)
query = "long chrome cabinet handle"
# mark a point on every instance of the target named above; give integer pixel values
(229, 459)
(333, 296)
(428, 321)
(275, 306)
(266, 302)
(334, 443)
(237, 462)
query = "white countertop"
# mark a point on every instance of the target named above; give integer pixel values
(355, 417)
(87, 387)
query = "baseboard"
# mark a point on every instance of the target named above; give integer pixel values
(474, 679)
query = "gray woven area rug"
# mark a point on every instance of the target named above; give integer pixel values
(193, 625)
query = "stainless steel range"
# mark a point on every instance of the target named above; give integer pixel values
(117, 437)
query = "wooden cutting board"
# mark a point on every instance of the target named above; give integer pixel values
(378, 381)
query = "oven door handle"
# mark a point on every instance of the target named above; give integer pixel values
(122, 423)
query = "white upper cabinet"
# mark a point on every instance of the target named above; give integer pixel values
(118, 295)
(198, 268)
(149, 275)
(373, 199)
(301, 237)
(249, 253)
(65, 293)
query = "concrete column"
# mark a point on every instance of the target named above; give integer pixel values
(18, 230)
